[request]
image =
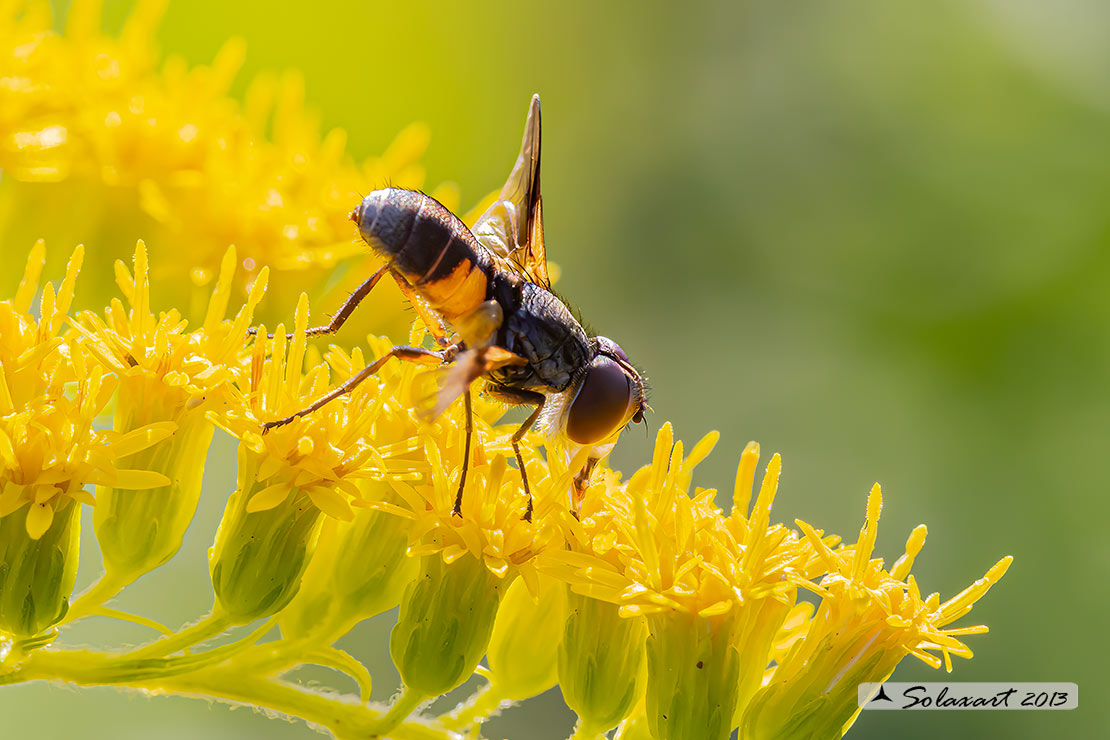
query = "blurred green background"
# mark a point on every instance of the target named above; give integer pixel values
(873, 236)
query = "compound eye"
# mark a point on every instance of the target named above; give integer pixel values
(602, 404)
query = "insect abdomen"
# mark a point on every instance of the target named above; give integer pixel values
(431, 248)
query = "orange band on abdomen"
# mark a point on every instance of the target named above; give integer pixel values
(459, 293)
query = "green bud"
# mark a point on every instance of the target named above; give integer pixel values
(524, 650)
(259, 557)
(360, 569)
(139, 530)
(600, 661)
(444, 624)
(37, 576)
(813, 693)
(693, 674)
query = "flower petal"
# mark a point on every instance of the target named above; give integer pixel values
(39, 519)
(139, 479)
(269, 497)
(139, 439)
(332, 503)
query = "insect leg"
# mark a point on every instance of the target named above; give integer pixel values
(520, 398)
(431, 319)
(581, 481)
(517, 436)
(344, 311)
(401, 352)
(457, 509)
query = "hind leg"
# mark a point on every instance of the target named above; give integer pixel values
(344, 311)
(408, 354)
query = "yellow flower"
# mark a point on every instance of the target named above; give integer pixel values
(869, 618)
(167, 375)
(714, 589)
(492, 527)
(470, 559)
(49, 398)
(96, 122)
(292, 474)
(362, 565)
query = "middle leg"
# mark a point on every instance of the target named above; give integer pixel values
(519, 397)
(457, 509)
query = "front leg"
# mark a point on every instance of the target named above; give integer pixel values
(519, 397)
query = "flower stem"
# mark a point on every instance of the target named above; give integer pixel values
(402, 707)
(106, 588)
(585, 731)
(481, 705)
(344, 717)
(210, 626)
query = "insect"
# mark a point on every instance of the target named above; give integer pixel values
(490, 285)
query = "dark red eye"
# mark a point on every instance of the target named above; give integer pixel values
(602, 403)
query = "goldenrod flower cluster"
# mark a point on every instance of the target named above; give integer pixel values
(658, 614)
(652, 609)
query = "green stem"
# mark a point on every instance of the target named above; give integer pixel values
(344, 662)
(275, 657)
(482, 705)
(106, 588)
(91, 667)
(402, 707)
(584, 731)
(345, 719)
(209, 627)
(109, 612)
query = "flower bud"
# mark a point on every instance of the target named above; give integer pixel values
(445, 622)
(139, 530)
(693, 675)
(600, 661)
(524, 650)
(635, 727)
(825, 705)
(360, 569)
(37, 575)
(259, 556)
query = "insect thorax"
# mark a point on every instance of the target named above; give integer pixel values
(541, 329)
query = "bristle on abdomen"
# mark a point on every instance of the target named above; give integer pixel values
(429, 246)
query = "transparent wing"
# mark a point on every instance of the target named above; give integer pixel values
(513, 226)
(437, 389)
